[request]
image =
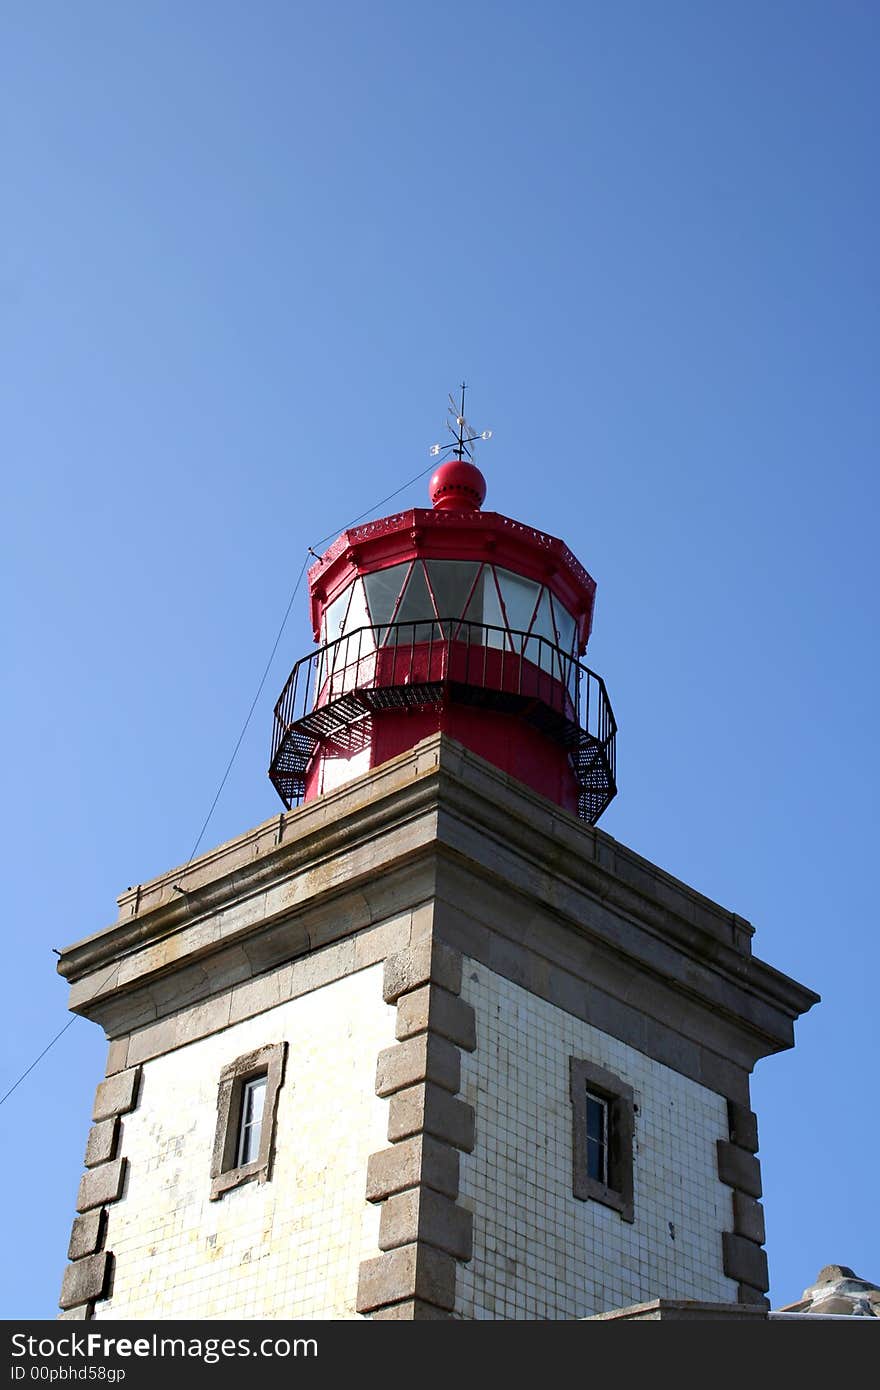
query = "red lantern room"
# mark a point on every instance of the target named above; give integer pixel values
(456, 620)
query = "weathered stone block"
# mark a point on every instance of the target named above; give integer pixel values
(85, 1279)
(428, 1107)
(435, 1009)
(154, 1039)
(745, 1261)
(411, 1272)
(379, 942)
(322, 967)
(101, 1142)
(412, 1310)
(85, 1234)
(117, 1095)
(421, 1214)
(255, 996)
(101, 1185)
(748, 1218)
(422, 923)
(429, 960)
(117, 1054)
(746, 1294)
(743, 1124)
(421, 1159)
(424, 1058)
(738, 1168)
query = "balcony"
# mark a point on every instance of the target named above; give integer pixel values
(332, 696)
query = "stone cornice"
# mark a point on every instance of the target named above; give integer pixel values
(310, 839)
(438, 797)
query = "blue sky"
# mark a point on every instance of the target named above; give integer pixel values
(247, 250)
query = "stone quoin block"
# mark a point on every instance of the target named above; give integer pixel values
(746, 1294)
(743, 1126)
(429, 1108)
(101, 1142)
(117, 1095)
(748, 1218)
(117, 1054)
(411, 1272)
(101, 1185)
(745, 1261)
(738, 1168)
(85, 1279)
(421, 1214)
(427, 962)
(421, 1159)
(411, 1310)
(85, 1235)
(424, 1058)
(435, 1009)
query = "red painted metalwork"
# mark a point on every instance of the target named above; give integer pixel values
(454, 535)
(513, 696)
(457, 485)
(534, 711)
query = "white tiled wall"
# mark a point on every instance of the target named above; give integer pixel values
(538, 1251)
(289, 1248)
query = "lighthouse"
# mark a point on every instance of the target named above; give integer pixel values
(428, 1043)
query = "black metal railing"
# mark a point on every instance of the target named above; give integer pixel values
(331, 695)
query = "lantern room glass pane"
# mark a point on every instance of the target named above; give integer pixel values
(451, 581)
(416, 602)
(565, 626)
(345, 660)
(333, 624)
(383, 588)
(543, 622)
(416, 612)
(334, 616)
(545, 653)
(357, 615)
(485, 607)
(520, 596)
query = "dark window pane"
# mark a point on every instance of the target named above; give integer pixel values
(595, 1118)
(597, 1138)
(594, 1161)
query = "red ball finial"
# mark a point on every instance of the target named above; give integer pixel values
(458, 485)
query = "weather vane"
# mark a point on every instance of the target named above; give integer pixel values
(464, 435)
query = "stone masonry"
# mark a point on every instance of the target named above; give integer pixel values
(432, 865)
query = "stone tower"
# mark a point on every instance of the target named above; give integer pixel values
(428, 1044)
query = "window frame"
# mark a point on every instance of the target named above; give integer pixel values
(617, 1193)
(226, 1171)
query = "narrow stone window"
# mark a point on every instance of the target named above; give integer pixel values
(247, 1099)
(603, 1120)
